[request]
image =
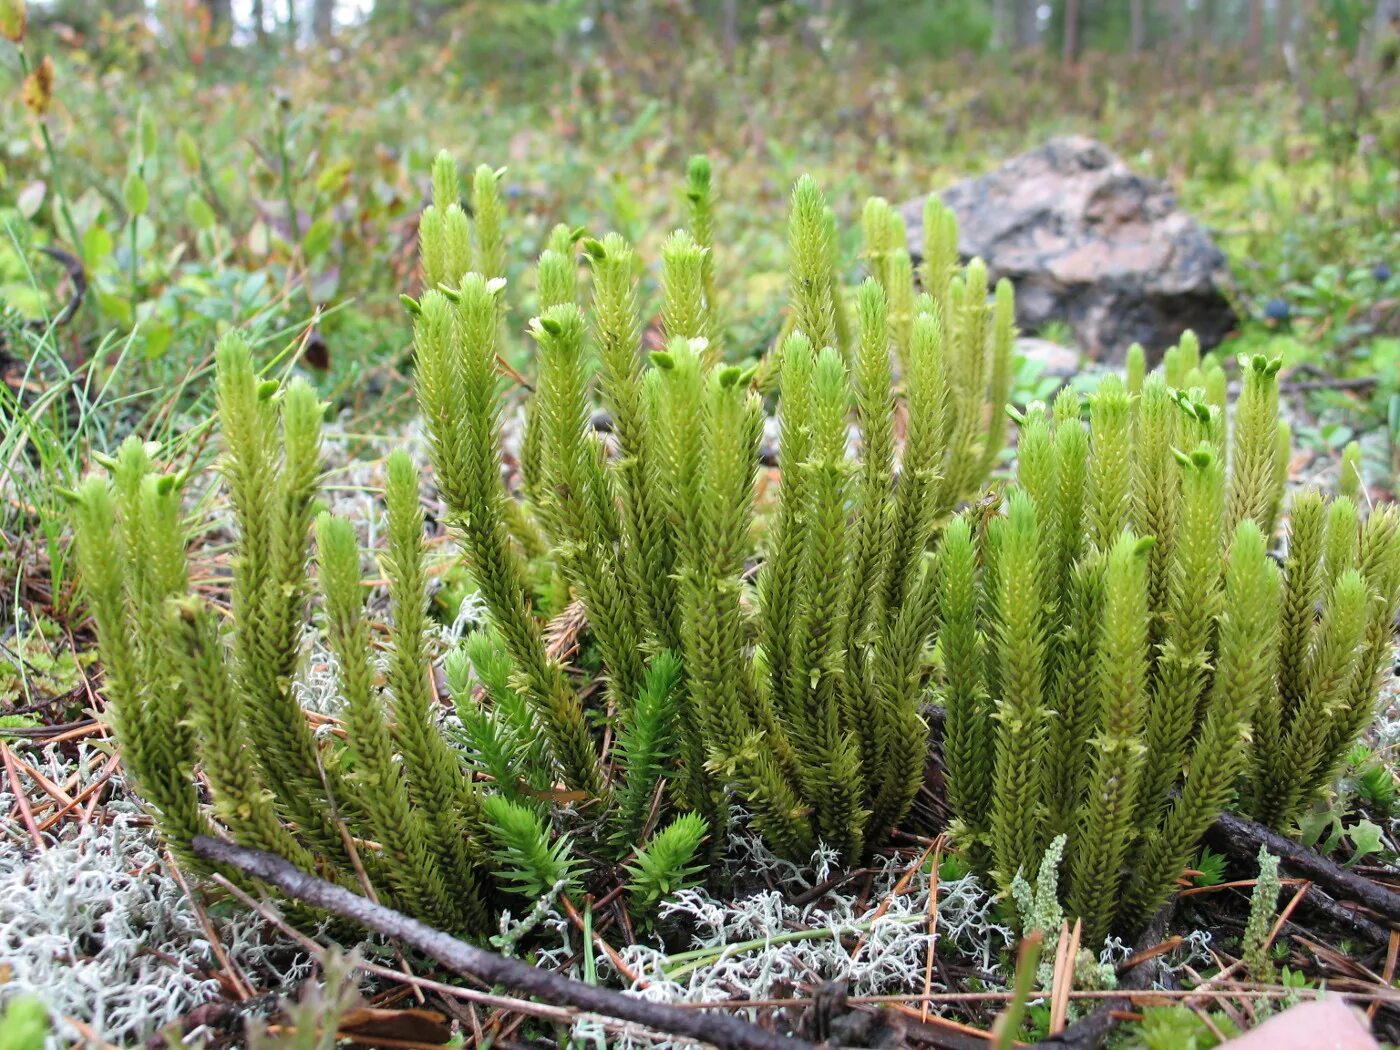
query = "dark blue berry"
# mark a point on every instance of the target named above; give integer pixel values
(1381, 273)
(1277, 310)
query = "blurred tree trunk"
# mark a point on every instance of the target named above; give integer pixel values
(220, 11)
(1070, 50)
(1000, 36)
(729, 31)
(323, 20)
(259, 24)
(1181, 24)
(1254, 40)
(1137, 25)
(1027, 24)
(1383, 47)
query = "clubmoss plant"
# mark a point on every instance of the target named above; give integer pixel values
(1120, 654)
(189, 690)
(192, 692)
(1263, 904)
(793, 689)
(797, 686)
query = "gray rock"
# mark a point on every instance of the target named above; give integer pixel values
(1062, 362)
(1088, 242)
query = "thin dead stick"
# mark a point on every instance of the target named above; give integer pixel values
(91, 808)
(472, 997)
(366, 885)
(1238, 884)
(477, 1033)
(899, 888)
(935, 1021)
(1344, 383)
(824, 887)
(45, 784)
(1243, 990)
(722, 1031)
(1284, 915)
(1241, 1012)
(932, 927)
(1059, 997)
(71, 782)
(55, 735)
(1226, 972)
(1388, 974)
(508, 370)
(603, 946)
(1338, 960)
(1065, 953)
(241, 987)
(1242, 838)
(82, 796)
(21, 799)
(383, 1041)
(1211, 1025)
(1092, 1030)
(90, 1036)
(1170, 944)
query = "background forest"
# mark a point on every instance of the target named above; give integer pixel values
(233, 239)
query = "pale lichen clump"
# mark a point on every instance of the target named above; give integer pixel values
(96, 926)
(762, 945)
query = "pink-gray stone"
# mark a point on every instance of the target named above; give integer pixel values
(1052, 359)
(1328, 1024)
(1091, 243)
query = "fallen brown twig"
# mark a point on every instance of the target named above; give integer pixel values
(1348, 916)
(1090, 1032)
(1242, 839)
(721, 1031)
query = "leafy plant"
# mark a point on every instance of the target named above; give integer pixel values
(1039, 910)
(1211, 866)
(536, 867)
(1325, 830)
(1372, 780)
(1263, 905)
(665, 864)
(799, 690)
(1329, 668)
(1110, 639)
(1180, 1028)
(392, 804)
(313, 1020)
(183, 691)
(809, 715)
(24, 1024)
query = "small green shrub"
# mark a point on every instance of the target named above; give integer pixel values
(1117, 654)
(1120, 654)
